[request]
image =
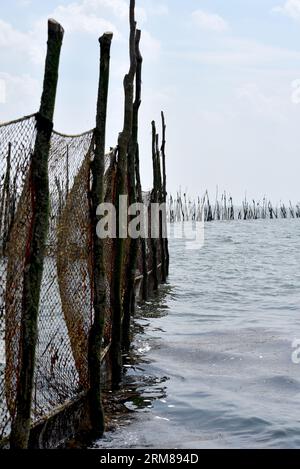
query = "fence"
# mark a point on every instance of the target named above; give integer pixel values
(63, 303)
(183, 208)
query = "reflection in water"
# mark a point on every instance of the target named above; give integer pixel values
(140, 385)
(147, 387)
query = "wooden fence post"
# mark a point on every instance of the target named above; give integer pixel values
(163, 155)
(160, 197)
(123, 143)
(129, 297)
(33, 269)
(99, 275)
(143, 241)
(154, 200)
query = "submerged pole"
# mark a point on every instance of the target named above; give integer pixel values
(36, 241)
(99, 276)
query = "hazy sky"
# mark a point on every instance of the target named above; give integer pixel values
(224, 71)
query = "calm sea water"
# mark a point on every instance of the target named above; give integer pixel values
(212, 365)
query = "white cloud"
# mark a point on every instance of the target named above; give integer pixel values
(152, 8)
(161, 10)
(262, 104)
(2, 91)
(22, 94)
(209, 21)
(19, 42)
(241, 52)
(84, 17)
(150, 46)
(290, 8)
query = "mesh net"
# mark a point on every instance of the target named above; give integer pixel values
(16, 146)
(66, 298)
(66, 302)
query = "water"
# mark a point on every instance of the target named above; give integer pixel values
(212, 362)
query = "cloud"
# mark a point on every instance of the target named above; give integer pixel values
(249, 53)
(21, 43)
(151, 47)
(22, 94)
(152, 8)
(85, 17)
(209, 21)
(262, 104)
(290, 8)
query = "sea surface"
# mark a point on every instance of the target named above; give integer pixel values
(213, 363)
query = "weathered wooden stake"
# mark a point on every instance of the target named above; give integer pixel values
(123, 143)
(5, 210)
(163, 155)
(99, 276)
(36, 240)
(162, 259)
(129, 297)
(68, 172)
(138, 86)
(154, 200)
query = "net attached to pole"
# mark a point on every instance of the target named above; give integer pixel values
(66, 299)
(17, 141)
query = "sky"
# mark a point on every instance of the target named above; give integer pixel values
(226, 74)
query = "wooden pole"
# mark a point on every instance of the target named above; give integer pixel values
(138, 86)
(129, 297)
(33, 269)
(123, 143)
(68, 172)
(165, 193)
(99, 276)
(162, 216)
(5, 211)
(154, 200)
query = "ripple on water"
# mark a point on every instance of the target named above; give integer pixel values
(213, 363)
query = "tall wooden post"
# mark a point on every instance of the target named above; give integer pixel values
(154, 200)
(123, 144)
(129, 297)
(99, 280)
(138, 86)
(5, 209)
(164, 170)
(33, 269)
(68, 172)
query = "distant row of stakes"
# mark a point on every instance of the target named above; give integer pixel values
(183, 208)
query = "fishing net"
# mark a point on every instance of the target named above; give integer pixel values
(17, 141)
(66, 299)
